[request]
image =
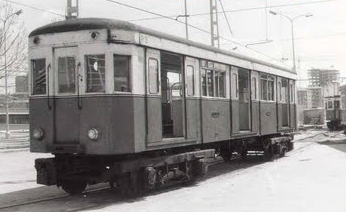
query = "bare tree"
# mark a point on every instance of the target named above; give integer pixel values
(13, 41)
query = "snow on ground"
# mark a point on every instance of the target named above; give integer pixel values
(309, 179)
(17, 171)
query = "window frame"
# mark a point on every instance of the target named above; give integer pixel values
(157, 76)
(279, 92)
(254, 88)
(129, 78)
(235, 85)
(75, 78)
(292, 92)
(32, 77)
(86, 74)
(271, 95)
(212, 81)
(192, 80)
(268, 78)
(215, 70)
(218, 75)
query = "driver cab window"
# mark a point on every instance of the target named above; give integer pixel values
(122, 73)
(38, 68)
(95, 70)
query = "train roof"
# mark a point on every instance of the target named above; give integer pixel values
(101, 23)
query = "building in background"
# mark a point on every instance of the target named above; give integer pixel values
(18, 106)
(322, 77)
(316, 97)
(304, 98)
(310, 108)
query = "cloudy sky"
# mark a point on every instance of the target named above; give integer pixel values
(320, 39)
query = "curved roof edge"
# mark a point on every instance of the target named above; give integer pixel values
(101, 23)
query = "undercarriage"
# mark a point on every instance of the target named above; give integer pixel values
(134, 174)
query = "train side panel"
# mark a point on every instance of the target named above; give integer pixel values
(268, 118)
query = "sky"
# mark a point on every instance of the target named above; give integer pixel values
(319, 40)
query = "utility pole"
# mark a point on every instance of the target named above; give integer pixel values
(72, 9)
(214, 25)
(292, 19)
(186, 24)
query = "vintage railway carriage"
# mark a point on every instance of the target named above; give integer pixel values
(108, 97)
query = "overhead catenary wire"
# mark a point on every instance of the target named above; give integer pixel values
(35, 8)
(228, 24)
(244, 9)
(194, 27)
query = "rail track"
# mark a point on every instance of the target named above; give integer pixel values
(51, 198)
(218, 162)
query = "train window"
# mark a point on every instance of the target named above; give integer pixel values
(66, 75)
(122, 73)
(38, 76)
(95, 67)
(267, 88)
(279, 92)
(210, 83)
(284, 90)
(264, 87)
(271, 88)
(190, 79)
(204, 83)
(235, 84)
(254, 88)
(216, 80)
(291, 93)
(153, 76)
(220, 81)
(244, 88)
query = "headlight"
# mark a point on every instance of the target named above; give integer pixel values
(93, 134)
(37, 134)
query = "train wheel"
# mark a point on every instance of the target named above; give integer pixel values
(268, 150)
(73, 187)
(225, 154)
(283, 152)
(131, 186)
(290, 145)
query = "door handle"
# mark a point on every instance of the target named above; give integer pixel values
(79, 79)
(48, 85)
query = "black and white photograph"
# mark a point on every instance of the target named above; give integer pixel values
(173, 105)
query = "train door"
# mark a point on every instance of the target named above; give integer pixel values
(172, 95)
(192, 102)
(244, 100)
(254, 101)
(292, 106)
(234, 100)
(285, 104)
(153, 100)
(65, 106)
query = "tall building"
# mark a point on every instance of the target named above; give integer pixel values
(322, 77)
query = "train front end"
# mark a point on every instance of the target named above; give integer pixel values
(84, 107)
(82, 99)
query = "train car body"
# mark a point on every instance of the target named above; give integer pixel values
(334, 113)
(107, 90)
